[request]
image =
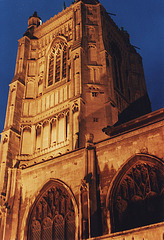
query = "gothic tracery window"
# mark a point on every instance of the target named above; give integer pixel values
(57, 63)
(53, 215)
(138, 198)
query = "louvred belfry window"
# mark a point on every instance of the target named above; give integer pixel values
(57, 63)
(53, 215)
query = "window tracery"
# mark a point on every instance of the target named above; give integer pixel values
(57, 65)
(53, 216)
(35, 229)
(138, 198)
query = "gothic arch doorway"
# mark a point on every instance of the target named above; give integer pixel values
(136, 197)
(53, 214)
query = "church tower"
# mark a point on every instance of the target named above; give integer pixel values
(75, 74)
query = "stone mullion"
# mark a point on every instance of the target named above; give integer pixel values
(65, 127)
(61, 64)
(48, 70)
(49, 134)
(71, 129)
(54, 55)
(67, 64)
(54, 76)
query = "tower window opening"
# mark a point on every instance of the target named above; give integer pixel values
(50, 74)
(64, 62)
(57, 67)
(57, 72)
(94, 94)
(95, 119)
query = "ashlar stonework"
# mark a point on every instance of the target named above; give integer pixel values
(81, 152)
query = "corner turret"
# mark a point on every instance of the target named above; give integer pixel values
(33, 22)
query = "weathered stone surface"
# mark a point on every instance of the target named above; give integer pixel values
(61, 176)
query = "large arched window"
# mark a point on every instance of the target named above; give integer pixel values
(137, 195)
(53, 215)
(57, 63)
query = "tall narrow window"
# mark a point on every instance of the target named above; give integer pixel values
(57, 68)
(53, 133)
(45, 143)
(69, 73)
(26, 141)
(64, 62)
(67, 126)
(38, 138)
(61, 129)
(51, 67)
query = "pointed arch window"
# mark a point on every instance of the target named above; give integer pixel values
(51, 68)
(57, 63)
(137, 199)
(53, 215)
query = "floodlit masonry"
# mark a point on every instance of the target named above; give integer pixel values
(81, 152)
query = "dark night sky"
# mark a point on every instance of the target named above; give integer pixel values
(143, 19)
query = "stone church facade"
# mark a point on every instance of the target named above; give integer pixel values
(81, 152)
